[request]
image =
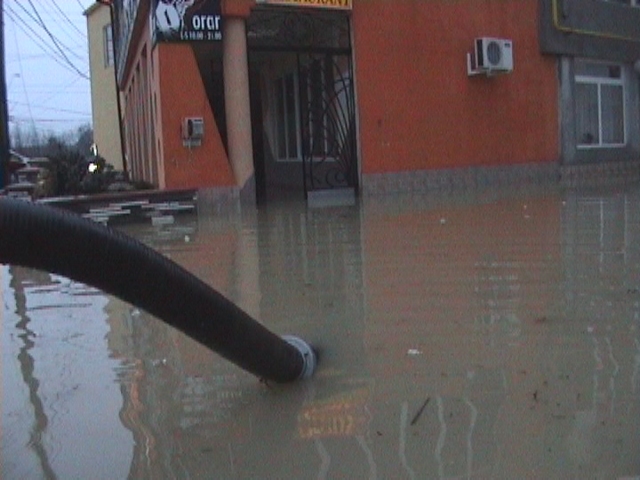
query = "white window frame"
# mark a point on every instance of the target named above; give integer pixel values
(283, 122)
(277, 120)
(107, 46)
(280, 105)
(631, 3)
(599, 82)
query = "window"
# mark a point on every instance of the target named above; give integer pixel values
(287, 121)
(306, 111)
(107, 45)
(633, 3)
(599, 102)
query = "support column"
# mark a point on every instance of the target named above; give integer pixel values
(237, 105)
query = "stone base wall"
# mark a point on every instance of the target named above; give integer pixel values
(478, 178)
(472, 178)
(601, 173)
(222, 199)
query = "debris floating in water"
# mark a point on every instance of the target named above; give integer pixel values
(416, 417)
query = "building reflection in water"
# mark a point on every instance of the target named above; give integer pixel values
(460, 338)
(192, 413)
(26, 362)
(60, 401)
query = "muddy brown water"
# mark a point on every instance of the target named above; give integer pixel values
(486, 336)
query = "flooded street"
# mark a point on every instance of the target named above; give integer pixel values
(469, 337)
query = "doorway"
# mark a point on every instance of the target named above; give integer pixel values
(302, 103)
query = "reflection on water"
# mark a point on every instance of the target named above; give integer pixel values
(26, 362)
(468, 338)
(59, 400)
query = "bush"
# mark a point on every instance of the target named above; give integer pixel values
(75, 177)
(70, 168)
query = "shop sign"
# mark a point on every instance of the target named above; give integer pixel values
(335, 4)
(186, 20)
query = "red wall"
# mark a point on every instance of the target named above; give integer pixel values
(418, 109)
(182, 94)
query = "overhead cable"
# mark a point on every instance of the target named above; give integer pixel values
(55, 41)
(38, 40)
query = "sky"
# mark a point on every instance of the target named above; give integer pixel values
(47, 65)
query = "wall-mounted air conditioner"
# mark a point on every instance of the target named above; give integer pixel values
(192, 131)
(491, 56)
(192, 128)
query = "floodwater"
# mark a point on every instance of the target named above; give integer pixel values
(486, 336)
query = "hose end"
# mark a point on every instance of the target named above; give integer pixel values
(309, 357)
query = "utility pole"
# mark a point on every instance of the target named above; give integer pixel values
(4, 113)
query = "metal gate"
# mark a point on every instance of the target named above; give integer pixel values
(321, 42)
(327, 121)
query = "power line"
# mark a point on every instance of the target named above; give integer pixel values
(24, 87)
(26, 23)
(64, 15)
(43, 44)
(50, 109)
(38, 20)
(26, 29)
(34, 56)
(15, 119)
(69, 36)
(81, 6)
(61, 89)
(49, 27)
(58, 51)
(46, 127)
(55, 41)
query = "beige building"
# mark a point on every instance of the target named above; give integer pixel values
(104, 103)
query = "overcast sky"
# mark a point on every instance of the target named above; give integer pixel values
(47, 65)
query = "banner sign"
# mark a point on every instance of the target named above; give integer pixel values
(335, 4)
(186, 20)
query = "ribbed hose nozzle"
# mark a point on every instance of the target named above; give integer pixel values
(309, 356)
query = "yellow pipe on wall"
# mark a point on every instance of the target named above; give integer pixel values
(563, 28)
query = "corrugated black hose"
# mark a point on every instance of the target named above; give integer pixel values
(55, 241)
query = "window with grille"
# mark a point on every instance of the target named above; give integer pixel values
(301, 99)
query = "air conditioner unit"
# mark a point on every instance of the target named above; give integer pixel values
(192, 128)
(494, 55)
